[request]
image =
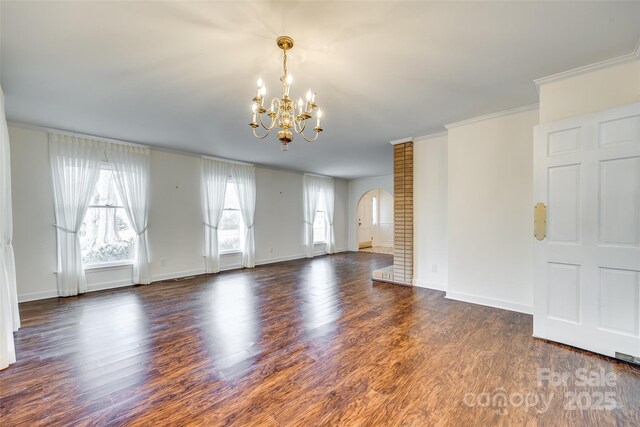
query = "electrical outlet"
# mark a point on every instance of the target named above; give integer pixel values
(434, 268)
(270, 250)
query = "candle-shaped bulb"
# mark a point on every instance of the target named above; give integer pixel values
(254, 107)
(289, 79)
(309, 95)
(260, 82)
(263, 90)
(300, 103)
(313, 97)
(319, 113)
(318, 121)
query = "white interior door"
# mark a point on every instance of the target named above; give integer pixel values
(365, 219)
(587, 269)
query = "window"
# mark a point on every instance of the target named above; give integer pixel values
(319, 223)
(231, 224)
(106, 237)
(374, 210)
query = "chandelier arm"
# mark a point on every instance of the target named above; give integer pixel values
(310, 140)
(261, 137)
(267, 128)
(302, 127)
(274, 101)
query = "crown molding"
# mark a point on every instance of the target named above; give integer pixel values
(75, 134)
(401, 140)
(317, 175)
(492, 116)
(591, 67)
(430, 136)
(44, 129)
(222, 159)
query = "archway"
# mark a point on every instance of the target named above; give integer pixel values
(374, 217)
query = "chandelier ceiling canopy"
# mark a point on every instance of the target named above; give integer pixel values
(285, 113)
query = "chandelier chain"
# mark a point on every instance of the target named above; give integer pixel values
(285, 62)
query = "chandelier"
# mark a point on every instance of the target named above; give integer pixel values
(284, 112)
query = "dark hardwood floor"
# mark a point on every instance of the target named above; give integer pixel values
(308, 342)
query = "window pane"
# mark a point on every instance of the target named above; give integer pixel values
(231, 225)
(319, 225)
(229, 231)
(106, 193)
(231, 197)
(106, 236)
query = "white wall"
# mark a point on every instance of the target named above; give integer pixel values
(358, 188)
(589, 92)
(175, 220)
(430, 258)
(385, 219)
(490, 181)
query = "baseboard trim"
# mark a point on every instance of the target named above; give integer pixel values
(108, 285)
(490, 302)
(279, 259)
(34, 296)
(176, 275)
(430, 285)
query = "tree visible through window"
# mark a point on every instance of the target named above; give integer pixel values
(231, 224)
(320, 222)
(106, 235)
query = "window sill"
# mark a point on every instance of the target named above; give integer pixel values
(107, 266)
(319, 243)
(238, 252)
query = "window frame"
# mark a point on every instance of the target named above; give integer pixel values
(240, 230)
(105, 165)
(374, 211)
(324, 212)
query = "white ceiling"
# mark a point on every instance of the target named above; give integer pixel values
(181, 75)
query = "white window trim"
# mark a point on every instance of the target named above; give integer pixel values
(324, 239)
(106, 206)
(105, 165)
(231, 251)
(107, 265)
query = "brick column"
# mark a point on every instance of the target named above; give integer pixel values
(403, 213)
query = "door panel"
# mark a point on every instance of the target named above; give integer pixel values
(564, 141)
(564, 292)
(619, 309)
(587, 270)
(619, 211)
(563, 209)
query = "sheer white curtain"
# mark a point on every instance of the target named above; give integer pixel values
(328, 193)
(311, 192)
(130, 167)
(214, 186)
(245, 180)
(9, 315)
(75, 166)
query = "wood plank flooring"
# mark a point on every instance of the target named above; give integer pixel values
(300, 343)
